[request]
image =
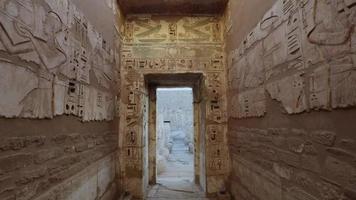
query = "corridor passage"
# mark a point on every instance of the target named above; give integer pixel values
(180, 163)
(177, 99)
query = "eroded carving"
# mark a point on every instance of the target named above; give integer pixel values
(251, 103)
(291, 92)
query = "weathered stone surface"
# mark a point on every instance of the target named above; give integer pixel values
(294, 156)
(297, 194)
(330, 191)
(320, 88)
(45, 68)
(343, 81)
(47, 161)
(335, 170)
(7, 184)
(250, 104)
(95, 182)
(296, 145)
(282, 170)
(289, 158)
(259, 182)
(339, 152)
(310, 163)
(324, 137)
(290, 91)
(14, 162)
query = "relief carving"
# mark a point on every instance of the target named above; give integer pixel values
(251, 103)
(215, 134)
(343, 82)
(290, 91)
(29, 36)
(195, 30)
(165, 46)
(147, 30)
(295, 37)
(275, 51)
(217, 166)
(250, 69)
(172, 32)
(48, 41)
(320, 88)
(131, 137)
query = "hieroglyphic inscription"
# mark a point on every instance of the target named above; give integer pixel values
(307, 48)
(156, 45)
(52, 43)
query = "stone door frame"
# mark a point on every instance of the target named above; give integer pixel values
(191, 80)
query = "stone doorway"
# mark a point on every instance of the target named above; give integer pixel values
(185, 173)
(180, 58)
(175, 135)
(138, 143)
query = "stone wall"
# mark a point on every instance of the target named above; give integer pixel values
(43, 158)
(292, 94)
(172, 45)
(58, 91)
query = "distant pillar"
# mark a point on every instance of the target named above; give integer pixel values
(167, 134)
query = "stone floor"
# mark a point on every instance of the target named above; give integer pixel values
(180, 165)
(176, 189)
(177, 181)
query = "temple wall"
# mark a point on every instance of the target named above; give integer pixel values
(173, 45)
(58, 90)
(292, 98)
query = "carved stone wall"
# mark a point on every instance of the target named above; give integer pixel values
(57, 70)
(54, 62)
(171, 45)
(292, 92)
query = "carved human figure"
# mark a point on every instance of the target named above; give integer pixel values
(10, 20)
(51, 56)
(18, 36)
(48, 48)
(15, 81)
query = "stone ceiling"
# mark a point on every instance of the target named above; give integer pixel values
(173, 7)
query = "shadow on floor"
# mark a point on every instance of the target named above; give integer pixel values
(176, 189)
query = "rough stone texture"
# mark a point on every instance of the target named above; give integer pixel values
(56, 158)
(56, 60)
(283, 145)
(170, 46)
(96, 181)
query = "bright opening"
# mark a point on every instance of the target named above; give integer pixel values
(175, 134)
